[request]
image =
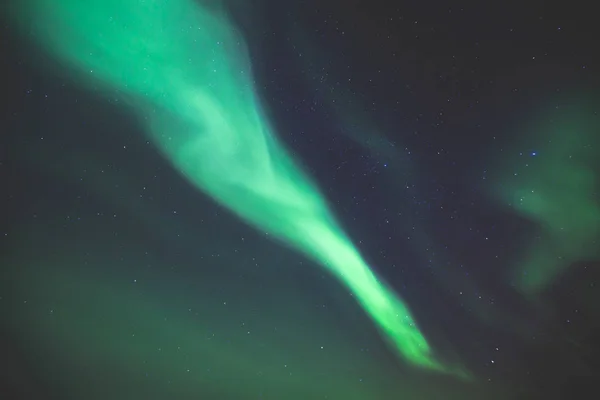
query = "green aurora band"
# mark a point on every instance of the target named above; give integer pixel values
(186, 73)
(553, 185)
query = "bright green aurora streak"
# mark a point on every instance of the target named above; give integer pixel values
(187, 74)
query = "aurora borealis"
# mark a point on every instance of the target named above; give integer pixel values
(558, 191)
(214, 132)
(186, 235)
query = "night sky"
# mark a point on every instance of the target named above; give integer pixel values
(455, 144)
